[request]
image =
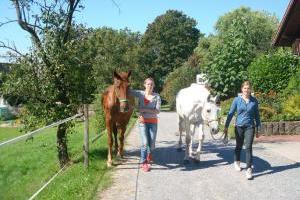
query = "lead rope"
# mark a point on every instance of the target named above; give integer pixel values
(223, 137)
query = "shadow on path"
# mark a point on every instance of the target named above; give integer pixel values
(168, 157)
(262, 167)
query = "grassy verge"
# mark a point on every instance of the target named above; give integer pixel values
(26, 166)
(8, 133)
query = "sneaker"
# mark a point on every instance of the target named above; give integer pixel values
(149, 158)
(145, 167)
(249, 173)
(237, 166)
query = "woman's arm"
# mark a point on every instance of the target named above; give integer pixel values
(156, 110)
(231, 112)
(135, 93)
(257, 117)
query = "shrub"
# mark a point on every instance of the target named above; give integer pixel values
(291, 107)
(294, 84)
(99, 122)
(273, 71)
(180, 78)
(225, 106)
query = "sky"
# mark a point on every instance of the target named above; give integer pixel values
(137, 14)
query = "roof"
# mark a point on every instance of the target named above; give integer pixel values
(289, 28)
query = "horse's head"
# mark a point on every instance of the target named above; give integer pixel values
(211, 112)
(121, 86)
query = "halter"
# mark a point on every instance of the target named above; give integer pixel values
(117, 95)
(222, 137)
(207, 122)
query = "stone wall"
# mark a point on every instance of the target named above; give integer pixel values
(281, 128)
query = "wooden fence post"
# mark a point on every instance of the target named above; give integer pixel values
(86, 136)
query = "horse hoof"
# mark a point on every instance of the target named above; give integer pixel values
(109, 164)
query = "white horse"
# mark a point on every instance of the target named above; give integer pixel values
(196, 108)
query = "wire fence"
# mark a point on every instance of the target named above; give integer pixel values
(38, 131)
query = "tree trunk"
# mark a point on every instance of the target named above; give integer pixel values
(62, 148)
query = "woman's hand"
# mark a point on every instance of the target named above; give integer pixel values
(225, 131)
(225, 140)
(257, 131)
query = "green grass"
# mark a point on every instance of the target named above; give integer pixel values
(26, 166)
(8, 133)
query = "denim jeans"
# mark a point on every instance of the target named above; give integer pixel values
(241, 134)
(148, 136)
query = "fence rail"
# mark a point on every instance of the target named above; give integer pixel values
(85, 142)
(37, 131)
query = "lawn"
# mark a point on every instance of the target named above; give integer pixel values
(26, 166)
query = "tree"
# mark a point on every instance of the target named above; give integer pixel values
(205, 49)
(261, 26)
(114, 50)
(166, 44)
(55, 76)
(180, 78)
(228, 68)
(241, 35)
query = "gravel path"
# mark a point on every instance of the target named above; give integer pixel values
(275, 176)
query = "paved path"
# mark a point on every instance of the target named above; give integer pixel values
(275, 175)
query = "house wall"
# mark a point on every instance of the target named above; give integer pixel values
(296, 47)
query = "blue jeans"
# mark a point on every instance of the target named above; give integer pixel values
(148, 136)
(241, 134)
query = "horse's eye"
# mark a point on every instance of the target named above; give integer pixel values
(208, 111)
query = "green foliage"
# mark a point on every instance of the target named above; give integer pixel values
(261, 26)
(269, 105)
(166, 44)
(226, 55)
(204, 50)
(273, 71)
(180, 78)
(294, 84)
(99, 122)
(114, 50)
(291, 107)
(225, 106)
(228, 68)
(54, 91)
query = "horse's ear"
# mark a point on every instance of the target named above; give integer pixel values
(116, 75)
(129, 73)
(208, 98)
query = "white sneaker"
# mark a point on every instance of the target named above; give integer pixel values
(237, 166)
(249, 173)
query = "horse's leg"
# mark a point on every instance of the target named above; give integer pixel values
(115, 131)
(109, 140)
(192, 132)
(121, 139)
(201, 138)
(187, 141)
(181, 128)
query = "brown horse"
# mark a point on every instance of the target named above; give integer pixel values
(118, 108)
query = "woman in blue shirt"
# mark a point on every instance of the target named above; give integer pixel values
(246, 107)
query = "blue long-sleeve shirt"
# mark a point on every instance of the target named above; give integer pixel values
(246, 112)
